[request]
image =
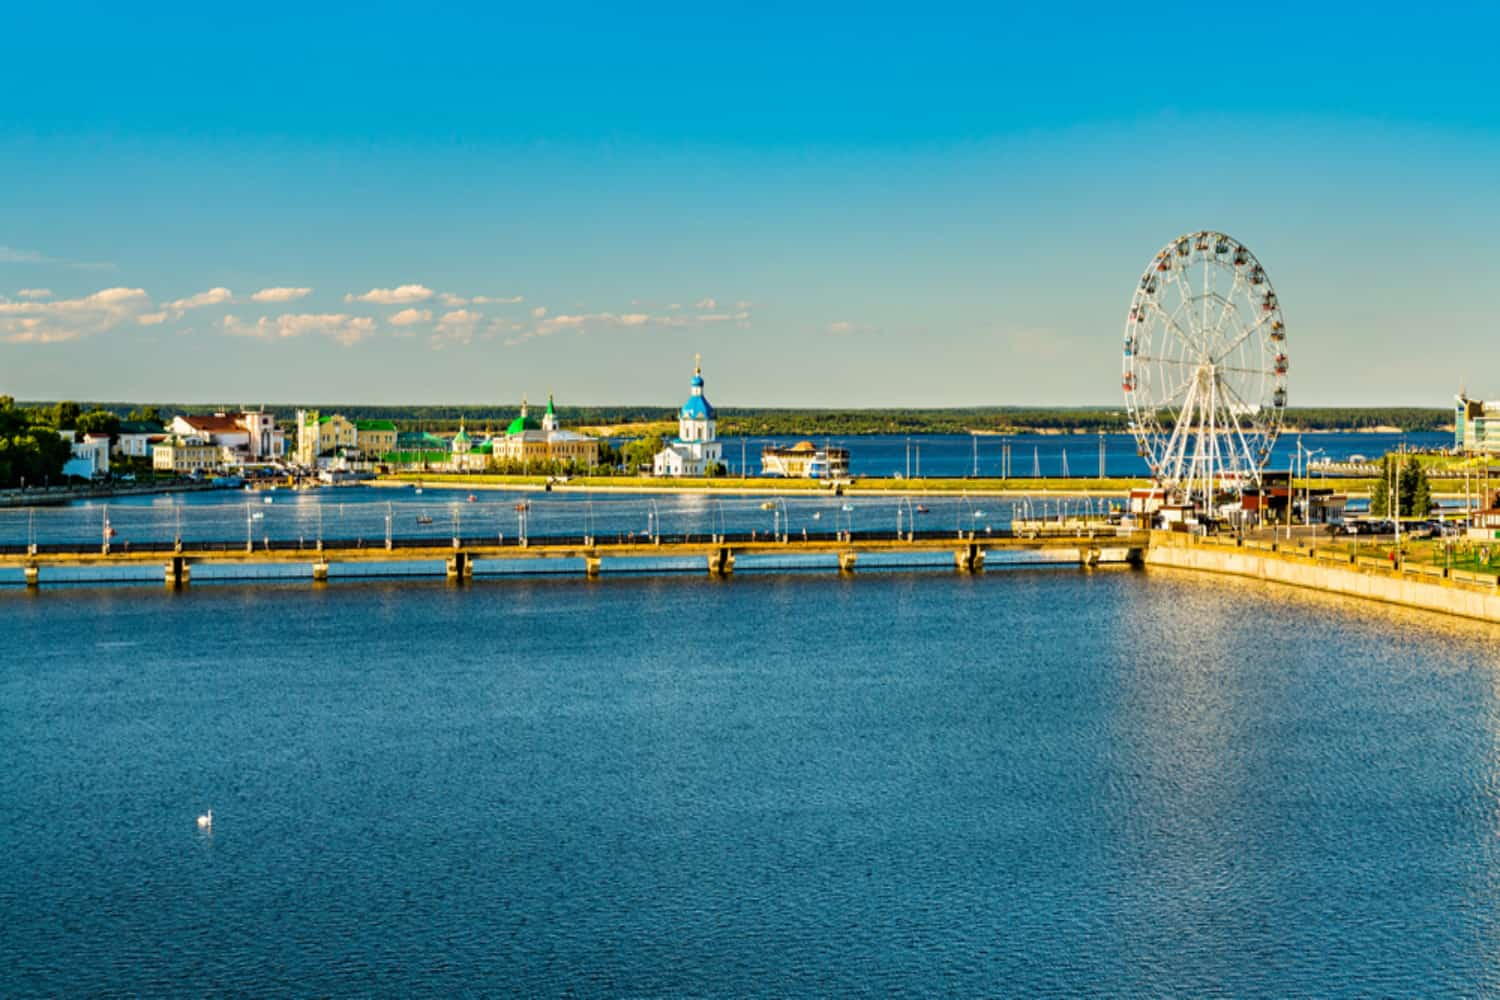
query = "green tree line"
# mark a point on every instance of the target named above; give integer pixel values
(808, 422)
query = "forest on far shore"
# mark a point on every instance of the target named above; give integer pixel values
(771, 421)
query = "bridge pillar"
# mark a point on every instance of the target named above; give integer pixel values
(177, 572)
(969, 559)
(33, 576)
(721, 562)
(460, 567)
(591, 566)
(320, 571)
(847, 561)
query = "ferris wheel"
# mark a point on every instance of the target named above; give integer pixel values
(1205, 367)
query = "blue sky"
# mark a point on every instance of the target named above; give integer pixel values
(859, 207)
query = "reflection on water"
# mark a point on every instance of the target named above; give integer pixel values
(1027, 782)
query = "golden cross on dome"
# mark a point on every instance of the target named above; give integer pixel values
(697, 364)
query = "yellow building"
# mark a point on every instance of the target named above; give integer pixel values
(321, 437)
(525, 440)
(375, 438)
(183, 455)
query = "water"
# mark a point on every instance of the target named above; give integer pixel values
(361, 514)
(1030, 782)
(946, 455)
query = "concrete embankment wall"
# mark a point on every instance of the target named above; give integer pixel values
(1427, 587)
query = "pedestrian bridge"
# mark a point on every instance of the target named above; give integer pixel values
(1087, 546)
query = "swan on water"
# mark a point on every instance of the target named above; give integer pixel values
(206, 821)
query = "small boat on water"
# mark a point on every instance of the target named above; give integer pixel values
(979, 513)
(848, 508)
(923, 509)
(473, 498)
(523, 506)
(418, 490)
(268, 499)
(423, 519)
(817, 515)
(257, 516)
(768, 505)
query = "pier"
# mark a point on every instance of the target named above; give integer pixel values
(458, 555)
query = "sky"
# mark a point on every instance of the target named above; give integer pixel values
(853, 206)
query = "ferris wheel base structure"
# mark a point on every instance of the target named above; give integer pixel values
(1204, 368)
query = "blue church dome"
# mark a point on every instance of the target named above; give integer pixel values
(697, 408)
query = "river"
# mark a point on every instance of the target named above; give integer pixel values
(1129, 783)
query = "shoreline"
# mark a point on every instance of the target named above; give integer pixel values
(1457, 593)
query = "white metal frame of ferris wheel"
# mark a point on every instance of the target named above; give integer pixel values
(1210, 406)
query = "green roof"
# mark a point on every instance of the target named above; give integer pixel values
(375, 425)
(484, 449)
(522, 424)
(550, 412)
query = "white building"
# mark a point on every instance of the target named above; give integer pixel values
(90, 455)
(1476, 425)
(134, 439)
(696, 450)
(249, 437)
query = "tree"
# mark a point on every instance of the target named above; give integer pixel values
(1416, 492)
(145, 415)
(642, 452)
(1380, 493)
(66, 414)
(99, 422)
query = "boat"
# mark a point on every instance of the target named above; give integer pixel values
(817, 515)
(848, 507)
(473, 498)
(257, 516)
(922, 509)
(768, 505)
(423, 519)
(979, 513)
(523, 506)
(418, 489)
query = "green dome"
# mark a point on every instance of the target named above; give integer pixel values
(522, 424)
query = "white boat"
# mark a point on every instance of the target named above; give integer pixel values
(847, 507)
(268, 499)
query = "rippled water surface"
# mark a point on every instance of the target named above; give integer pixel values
(1118, 783)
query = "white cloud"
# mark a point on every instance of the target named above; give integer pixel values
(844, 328)
(280, 294)
(347, 330)
(35, 293)
(483, 300)
(456, 327)
(450, 300)
(407, 317)
(152, 319)
(11, 255)
(212, 297)
(543, 325)
(400, 296)
(52, 322)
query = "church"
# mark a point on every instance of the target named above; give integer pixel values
(696, 450)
